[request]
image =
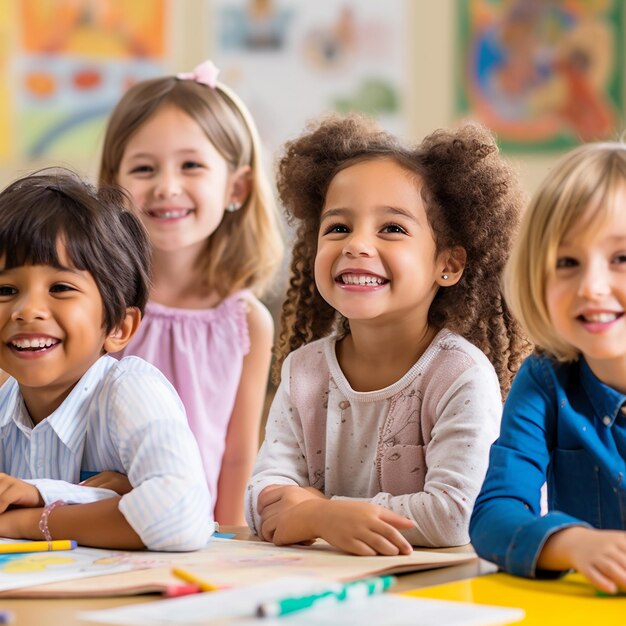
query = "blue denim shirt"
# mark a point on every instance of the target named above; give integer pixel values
(561, 425)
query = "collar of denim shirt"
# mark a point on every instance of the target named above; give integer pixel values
(606, 401)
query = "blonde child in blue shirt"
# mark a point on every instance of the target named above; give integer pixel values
(564, 420)
(74, 279)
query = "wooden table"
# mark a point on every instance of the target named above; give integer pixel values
(63, 611)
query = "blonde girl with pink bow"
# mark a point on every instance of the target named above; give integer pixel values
(187, 151)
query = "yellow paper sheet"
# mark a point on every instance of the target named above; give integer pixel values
(570, 600)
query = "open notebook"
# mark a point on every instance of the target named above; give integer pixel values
(224, 562)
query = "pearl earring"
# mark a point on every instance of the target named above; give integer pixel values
(233, 206)
(444, 276)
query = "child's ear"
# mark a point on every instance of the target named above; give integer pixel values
(452, 266)
(120, 336)
(240, 185)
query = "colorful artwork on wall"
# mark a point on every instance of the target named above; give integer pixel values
(543, 74)
(6, 139)
(68, 63)
(292, 61)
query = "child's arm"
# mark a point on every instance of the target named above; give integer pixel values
(242, 438)
(279, 509)
(98, 524)
(465, 421)
(101, 525)
(300, 514)
(108, 479)
(169, 507)
(145, 433)
(507, 526)
(600, 555)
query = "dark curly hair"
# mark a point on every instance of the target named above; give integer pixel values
(472, 200)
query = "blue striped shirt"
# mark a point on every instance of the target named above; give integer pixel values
(122, 416)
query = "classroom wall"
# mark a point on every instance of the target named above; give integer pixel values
(431, 33)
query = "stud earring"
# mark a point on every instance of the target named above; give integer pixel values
(233, 206)
(444, 276)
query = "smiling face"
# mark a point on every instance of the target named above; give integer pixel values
(586, 292)
(51, 330)
(377, 259)
(178, 180)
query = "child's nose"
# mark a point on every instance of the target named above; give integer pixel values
(358, 244)
(28, 308)
(594, 282)
(168, 185)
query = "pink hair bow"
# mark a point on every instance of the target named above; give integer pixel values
(205, 73)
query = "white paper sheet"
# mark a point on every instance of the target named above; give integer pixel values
(237, 607)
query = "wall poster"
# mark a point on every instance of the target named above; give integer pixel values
(543, 74)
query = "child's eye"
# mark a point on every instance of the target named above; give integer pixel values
(336, 229)
(620, 258)
(565, 262)
(393, 228)
(61, 288)
(142, 169)
(191, 165)
(7, 290)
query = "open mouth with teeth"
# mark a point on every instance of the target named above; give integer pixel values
(35, 344)
(361, 280)
(169, 214)
(600, 318)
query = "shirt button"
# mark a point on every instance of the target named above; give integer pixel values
(607, 420)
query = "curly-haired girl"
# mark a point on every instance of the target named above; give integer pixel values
(388, 405)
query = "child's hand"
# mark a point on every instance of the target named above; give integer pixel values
(600, 555)
(110, 480)
(362, 528)
(298, 515)
(16, 492)
(275, 500)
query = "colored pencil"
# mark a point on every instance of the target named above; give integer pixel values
(37, 546)
(188, 577)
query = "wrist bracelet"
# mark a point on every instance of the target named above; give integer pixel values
(45, 515)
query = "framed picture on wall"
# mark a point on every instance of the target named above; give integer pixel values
(543, 74)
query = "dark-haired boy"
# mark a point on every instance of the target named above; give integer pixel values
(74, 280)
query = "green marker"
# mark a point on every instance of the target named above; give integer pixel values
(335, 593)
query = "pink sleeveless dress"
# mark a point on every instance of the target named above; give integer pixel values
(201, 353)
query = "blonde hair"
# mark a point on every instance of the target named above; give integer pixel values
(580, 188)
(246, 248)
